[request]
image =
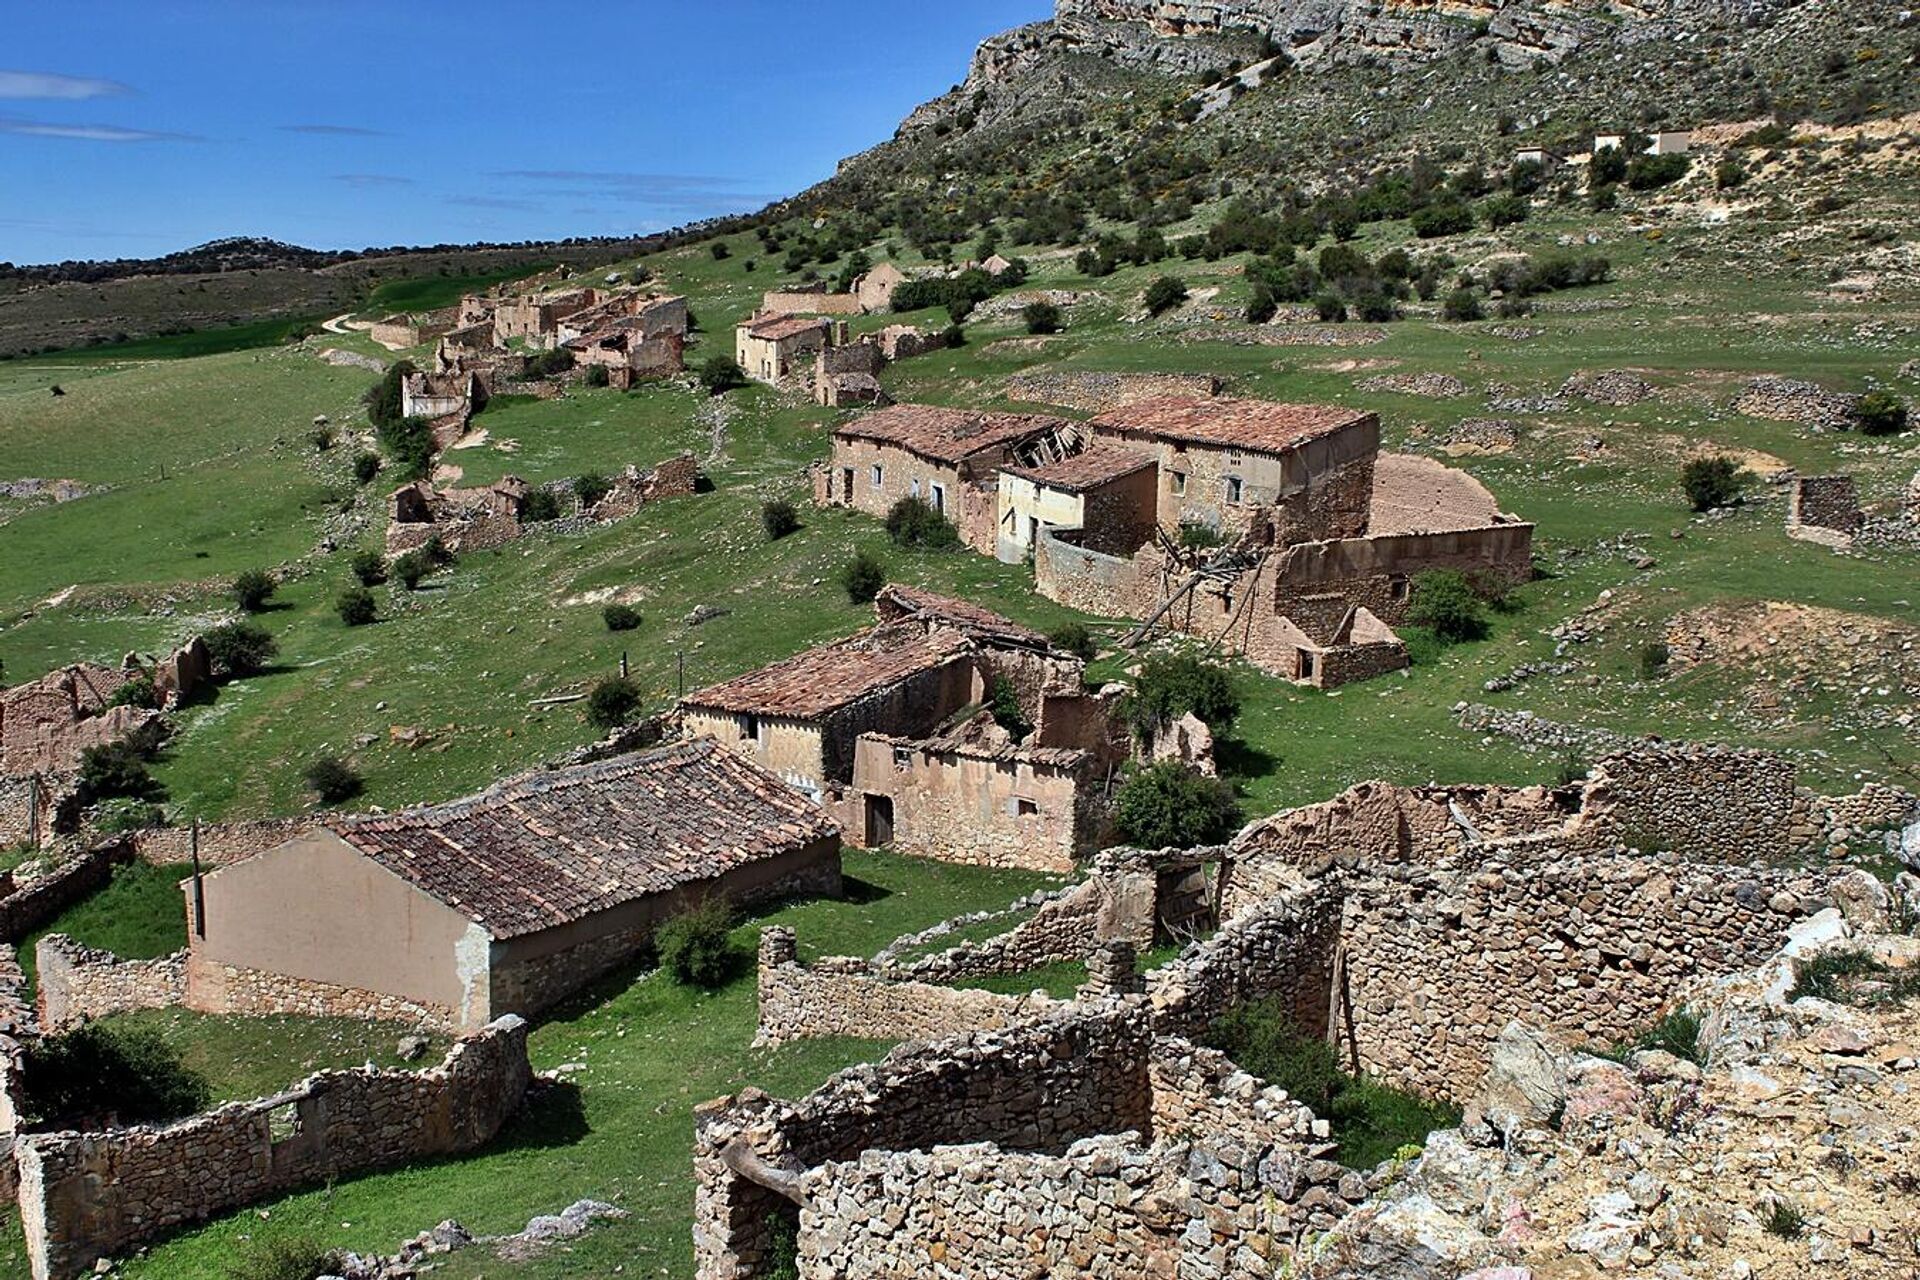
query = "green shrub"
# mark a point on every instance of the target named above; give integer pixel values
(721, 374)
(284, 1258)
(98, 1074)
(383, 400)
(1330, 307)
(1711, 482)
(912, 522)
(137, 692)
(1042, 317)
(1445, 603)
(1436, 220)
(1007, 712)
(1073, 638)
(1164, 294)
(550, 364)
(1196, 535)
(411, 569)
(1370, 1121)
(1170, 806)
(612, 702)
(1462, 305)
(863, 576)
(252, 589)
(1504, 211)
(409, 443)
(332, 780)
(1649, 173)
(1784, 1219)
(237, 650)
(1169, 686)
(1729, 173)
(597, 376)
(1881, 414)
(1608, 166)
(621, 617)
(1678, 1033)
(124, 814)
(696, 947)
(590, 488)
(366, 465)
(1263, 306)
(541, 506)
(356, 607)
(1654, 656)
(369, 567)
(778, 518)
(719, 250)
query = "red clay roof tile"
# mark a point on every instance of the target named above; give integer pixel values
(1263, 425)
(947, 435)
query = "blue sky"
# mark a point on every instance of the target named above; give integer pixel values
(134, 129)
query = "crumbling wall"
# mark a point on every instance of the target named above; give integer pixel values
(223, 988)
(977, 804)
(1707, 803)
(219, 843)
(1793, 400)
(1824, 509)
(843, 996)
(27, 908)
(1284, 949)
(85, 1196)
(78, 982)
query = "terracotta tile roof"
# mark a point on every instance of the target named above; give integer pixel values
(899, 602)
(780, 328)
(947, 435)
(1412, 494)
(547, 849)
(1247, 424)
(1097, 466)
(822, 680)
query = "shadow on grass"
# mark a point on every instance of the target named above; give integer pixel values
(861, 892)
(553, 1116)
(1241, 761)
(600, 990)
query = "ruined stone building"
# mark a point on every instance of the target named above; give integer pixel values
(502, 902)
(948, 458)
(474, 519)
(442, 395)
(875, 288)
(46, 724)
(773, 348)
(888, 730)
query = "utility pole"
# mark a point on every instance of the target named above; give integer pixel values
(199, 889)
(680, 688)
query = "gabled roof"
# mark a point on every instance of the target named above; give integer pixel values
(823, 680)
(947, 435)
(1099, 465)
(898, 602)
(780, 328)
(1262, 425)
(547, 849)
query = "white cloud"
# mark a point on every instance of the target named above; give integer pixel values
(45, 85)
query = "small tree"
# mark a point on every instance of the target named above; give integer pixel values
(356, 607)
(117, 770)
(1263, 306)
(621, 617)
(1504, 211)
(1880, 413)
(1462, 305)
(1330, 307)
(720, 251)
(1711, 482)
(1170, 686)
(912, 522)
(863, 576)
(779, 518)
(1608, 166)
(366, 465)
(721, 374)
(597, 376)
(1042, 317)
(1654, 657)
(97, 1072)
(412, 569)
(612, 702)
(1164, 294)
(1074, 638)
(1436, 220)
(239, 649)
(696, 947)
(1006, 708)
(1169, 806)
(1444, 602)
(541, 505)
(252, 589)
(590, 488)
(137, 692)
(369, 567)
(332, 780)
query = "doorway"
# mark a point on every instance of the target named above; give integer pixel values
(879, 821)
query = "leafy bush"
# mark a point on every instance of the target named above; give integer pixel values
(322, 438)
(409, 443)
(1197, 535)
(1608, 166)
(612, 702)
(1042, 317)
(1504, 211)
(719, 250)
(1711, 482)
(1006, 708)
(550, 364)
(779, 518)
(252, 589)
(332, 780)
(1370, 1121)
(1073, 638)
(1649, 173)
(1654, 656)
(384, 399)
(1169, 686)
(1263, 306)
(590, 488)
(912, 522)
(1462, 305)
(369, 567)
(1445, 603)
(696, 947)
(1164, 294)
(284, 1258)
(1729, 173)
(239, 649)
(96, 1074)
(1436, 220)
(137, 692)
(124, 814)
(366, 465)
(1169, 806)
(411, 569)
(541, 505)
(1881, 414)
(356, 607)
(1330, 307)
(721, 374)
(621, 617)
(863, 576)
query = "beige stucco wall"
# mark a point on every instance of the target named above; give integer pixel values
(318, 909)
(788, 748)
(1023, 500)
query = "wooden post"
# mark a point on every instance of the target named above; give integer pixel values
(623, 664)
(33, 811)
(199, 889)
(680, 688)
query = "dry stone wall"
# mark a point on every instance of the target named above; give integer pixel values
(78, 983)
(34, 904)
(1793, 400)
(84, 1196)
(1707, 803)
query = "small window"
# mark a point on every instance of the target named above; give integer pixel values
(1233, 490)
(1399, 589)
(1021, 807)
(913, 487)
(940, 497)
(902, 758)
(1233, 458)
(1178, 481)
(750, 728)
(284, 1122)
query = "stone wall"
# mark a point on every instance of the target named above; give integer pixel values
(78, 983)
(1824, 509)
(1090, 392)
(222, 988)
(1285, 949)
(1792, 400)
(220, 843)
(1707, 803)
(842, 996)
(85, 1196)
(27, 805)
(27, 908)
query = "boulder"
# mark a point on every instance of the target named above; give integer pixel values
(1863, 902)
(1526, 1085)
(1411, 1238)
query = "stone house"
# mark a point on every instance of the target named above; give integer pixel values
(770, 349)
(1542, 156)
(535, 318)
(848, 375)
(503, 902)
(441, 395)
(808, 300)
(46, 724)
(948, 458)
(402, 331)
(1824, 509)
(875, 288)
(1107, 495)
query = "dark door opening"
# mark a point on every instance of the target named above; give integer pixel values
(879, 821)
